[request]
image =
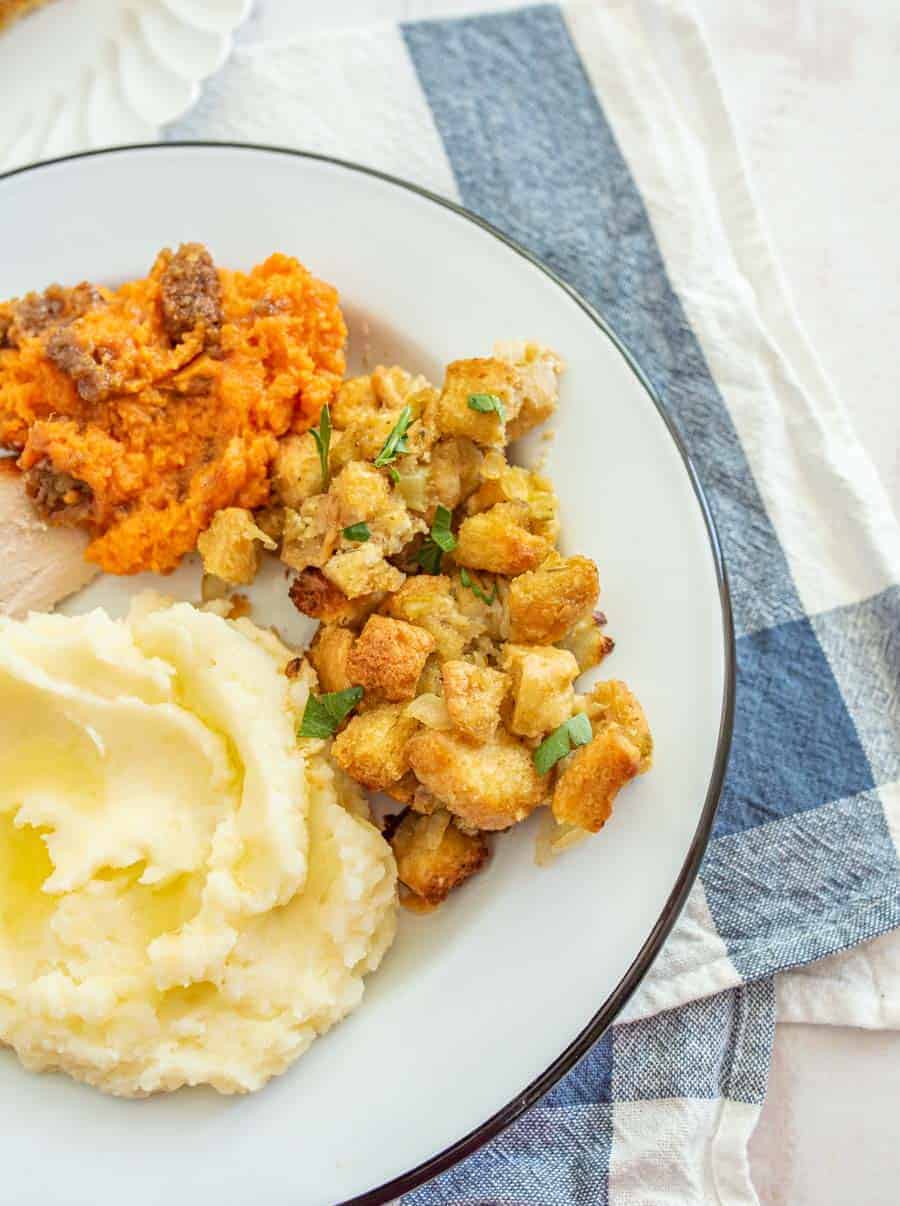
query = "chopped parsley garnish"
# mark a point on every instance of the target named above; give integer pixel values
(440, 540)
(396, 444)
(478, 591)
(571, 733)
(485, 403)
(322, 436)
(358, 532)
(323, 713)
(395, 476)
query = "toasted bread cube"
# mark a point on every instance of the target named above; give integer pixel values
(541, 679)
(515, 484)
(499, 541)
(230, 545)
(473, 695)
(329, 654)
(588, 642)
(362, 571)
(591, 780)
(427, 600)
(613, 703)
(361, 493)
(539, 370)
(622, 747)
(463, 378)
(312, 594)
(311, 534)
(490, 786)
(388, 656)
(372, 748)
(297, 471)
(453, 472)
(545, 603)
(434, 856)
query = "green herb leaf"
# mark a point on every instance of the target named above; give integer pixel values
(322, 436)
(396, 444)
(571, 733)
(395, 476)
(323, 713)
(441, 540)
(440, 529)
(469, 582)
(485, 403)
(358, 532)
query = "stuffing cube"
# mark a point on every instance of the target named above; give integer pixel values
(313, 595)
(465, 378)
(588, 642)
(329, 654)
(612, 703)
(539, 370)
(388, 657)
(427, 600)
(296, 471)
(361, 493)
(515, 484)
(541, 679)
(499, 540)
(310, 535)
(362, 571)
(453, 472)
(434, 856)
(490, 786)
(230, 545)
(372, 748)
(473, 695)
(546, 602)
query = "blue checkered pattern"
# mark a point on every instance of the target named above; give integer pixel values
(802, 863)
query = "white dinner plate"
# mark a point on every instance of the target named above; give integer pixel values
(480, 1007)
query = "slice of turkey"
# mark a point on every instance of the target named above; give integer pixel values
(39, 565)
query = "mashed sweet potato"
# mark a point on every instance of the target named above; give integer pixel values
(139, 412)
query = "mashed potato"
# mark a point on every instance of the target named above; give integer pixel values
(185, 896)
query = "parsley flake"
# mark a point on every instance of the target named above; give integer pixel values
(323, 713)
(322, 436)
(478, 591)
(359, 532)
(396, 443)
(440, 540)
(571, 733)
(485, 403)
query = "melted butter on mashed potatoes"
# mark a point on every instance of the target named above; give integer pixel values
(185, 896)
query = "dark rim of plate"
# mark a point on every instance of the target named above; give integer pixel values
(616, 1001)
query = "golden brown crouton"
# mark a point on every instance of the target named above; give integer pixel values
(297, 471)
(372, 748)
(539, 371)
(498, 540)
(587, 787)
(541, 680)
(622, 747)
(515, 484)
(546, 603)
(329, 653)
(434, 856)
(362, 571)
(489, 786)
(315, 596)
(427, 600)
(613, 703)
(230, 545)
(473, 695)
(388, 657)
(361, 493)
(310, 535)
(453, 472)
(464, 378)
(588, 642)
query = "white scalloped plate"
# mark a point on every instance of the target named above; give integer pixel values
(80, 74)
(482, 1006)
